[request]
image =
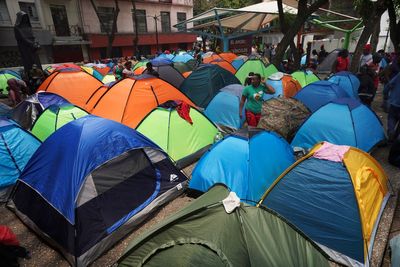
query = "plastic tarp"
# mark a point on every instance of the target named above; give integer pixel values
(205, 82)
(320, 93)
(358, 127)
(247, 166)
(203, 234)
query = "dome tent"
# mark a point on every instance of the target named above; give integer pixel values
(256, 66)
(320, 93)
(248, 162)
(169, 74)
(335, 195)
(130, 100)
(348, 81)
(283, 116)
(205, 82)
(183, 141)
(91, 183)
(73, 85)
(343, 121)
(6, 75)
(54, 117)
(247, 236)
(225, 65)
(26, 112)
(16, 148)
(284, 85)
(305, 77)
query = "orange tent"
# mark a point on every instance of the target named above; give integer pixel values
(103, 71)
(186, 74)
(290, 86)
(211, 58)
(130, 100)
(228, 56)
(139, 70)
(224, 64)
(75, 86)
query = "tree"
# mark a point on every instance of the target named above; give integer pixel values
(304, 11)
(104, 19)
(370, 12)
(394, 23)
(135, 24)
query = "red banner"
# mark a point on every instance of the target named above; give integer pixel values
(241, 45)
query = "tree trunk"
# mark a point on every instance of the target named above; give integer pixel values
(369, 26)
(135, 24)
(394, 27)
(375, 35)
(303, 12)
(111, 35)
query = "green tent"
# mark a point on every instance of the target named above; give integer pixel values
(53, 118)
(4, 77)
(140, 64)
(256, 66)
(182, 67)
(204, 234)
(184, 142)
(305, 77)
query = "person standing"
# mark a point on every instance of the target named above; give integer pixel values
(342, 62)
(366, 57)
(393, 88)
(267, 52)
(254, 95)
(322, 54)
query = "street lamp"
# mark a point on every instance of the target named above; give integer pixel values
(155, 17)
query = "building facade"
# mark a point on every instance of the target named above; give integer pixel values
(69, 30)
(155, 20)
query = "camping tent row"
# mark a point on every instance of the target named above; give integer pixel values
(301, 220)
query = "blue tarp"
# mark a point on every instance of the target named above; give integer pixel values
(16, 148)
(247, 166)
(67, 157)
(320, 93)
(318, 197)
(341, 122)
(347, 81)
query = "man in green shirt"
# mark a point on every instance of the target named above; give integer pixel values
(254, 95)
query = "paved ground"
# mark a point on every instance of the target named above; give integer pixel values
(43, 255)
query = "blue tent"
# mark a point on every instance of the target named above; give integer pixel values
(182, 58)
(4, 110)
(92, 182)
(205, 82)
(223, 110)
(247, 162)
(348, 81)
(238, 62)
(165, 56)
(160, 61)
(320, 93)
(26, 112)
(342, 122)
(16, 148)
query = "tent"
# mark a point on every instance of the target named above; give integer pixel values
(182, 58)
(305, 77)
(109, 78)
(6, 75)
(16, 148)
(75, 86)
(204, 83)
(165, 56)
(169, 74)
(213, 57)
(248, 162)
(256, 66)
(248, 236)
(320, 93)
(224, 64)
(224, 108)
(228, 56)
(183, 141)
(102, 69)
(26, 112)
(348, 81)
(182, 67)
(284, 85)
(159, 61)
(335, 195)
(4, 110)
(239, 61)
(140, 64)
(93, 72)
(326, 65)
(283, 116)
(91, 183)
(54, 117)
(128, 101)
(343, 121)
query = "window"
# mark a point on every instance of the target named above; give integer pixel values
(4, 16)
(181, 17)
(141, 20)
(30, 9)
(106, 15)
(165, 22)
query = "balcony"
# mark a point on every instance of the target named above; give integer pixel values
(67, 35)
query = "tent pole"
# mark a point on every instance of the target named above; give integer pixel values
(225, 41)
(346, 40)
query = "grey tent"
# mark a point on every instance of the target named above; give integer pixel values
(204, 234)
(169, 74)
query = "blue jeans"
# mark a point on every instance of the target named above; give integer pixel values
(393, 120)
